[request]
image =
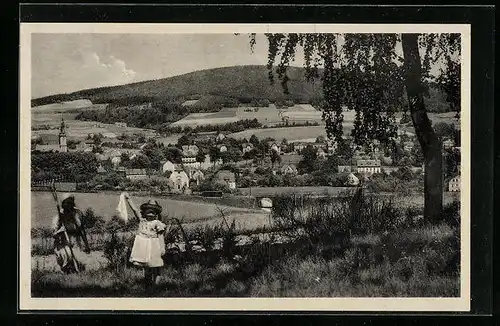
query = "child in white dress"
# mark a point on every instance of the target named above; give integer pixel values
(149, 243)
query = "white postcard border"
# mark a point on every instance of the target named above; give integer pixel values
(26, 302)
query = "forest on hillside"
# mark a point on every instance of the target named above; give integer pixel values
(217, 88)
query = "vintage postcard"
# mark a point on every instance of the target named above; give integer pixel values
(244, 167)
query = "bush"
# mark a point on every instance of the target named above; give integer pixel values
(324, 218)
(451, 213)
(91, 221)
(116, 224)
(412, 215)
(208, 185)
(228, 233)
(116, 252)
(41, 232)
(69, 166)
(207, 235)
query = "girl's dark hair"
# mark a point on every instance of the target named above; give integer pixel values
(150, 206)
(68, 203)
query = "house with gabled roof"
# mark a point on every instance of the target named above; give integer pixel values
(136, 174)
(220, 137)
(368, 166)
(167, 166)
(179, 180)
(274, 146)
(288, 169)
(352, 180)
(222, 148)
(246, 147)
(227, 178)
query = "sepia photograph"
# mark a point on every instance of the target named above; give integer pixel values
(183, 166)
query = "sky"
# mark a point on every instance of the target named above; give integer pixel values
(67, 62)
(63, 63)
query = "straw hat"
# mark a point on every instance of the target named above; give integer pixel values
(151, 205)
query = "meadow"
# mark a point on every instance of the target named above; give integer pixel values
(104, 204)
(310, 133)
(77, 129)
(265, 115)
(408, 200)
(275, 191)
(49, 117)
(66, 106)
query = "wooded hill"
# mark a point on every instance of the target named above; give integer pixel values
(227, 86)
(242, 83)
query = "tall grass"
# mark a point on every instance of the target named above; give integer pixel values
(411, 264)
(336, 218)
(97, 228)
(357, 245)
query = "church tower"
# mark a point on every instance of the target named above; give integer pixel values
(63, 147)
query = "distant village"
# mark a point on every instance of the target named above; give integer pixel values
(203, 156)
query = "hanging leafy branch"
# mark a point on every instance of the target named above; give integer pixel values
(365, 73)
(378, 75)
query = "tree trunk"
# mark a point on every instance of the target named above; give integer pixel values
(430, 143)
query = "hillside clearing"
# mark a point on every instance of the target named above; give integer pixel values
(290, 133)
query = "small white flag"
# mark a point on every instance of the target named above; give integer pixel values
(121, 209)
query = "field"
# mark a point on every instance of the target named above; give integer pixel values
(172, 139)
(310, 133)
(67, 106)
(104, 204)
(446, 117)
(50, 116)
(80, 129)
(282, 271)
(274, 191)
(290, 133)
(303, 248)
(417, 199)
(265, 115)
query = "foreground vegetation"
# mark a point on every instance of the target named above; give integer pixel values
(274, 271)
(359, 246)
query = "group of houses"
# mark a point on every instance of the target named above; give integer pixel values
(190, 170)
(181, 176)
(323, 149)
(373, 166)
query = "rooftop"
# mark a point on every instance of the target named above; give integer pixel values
(225, 174)
(136, 171)
(368, 163)
(47, 148)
